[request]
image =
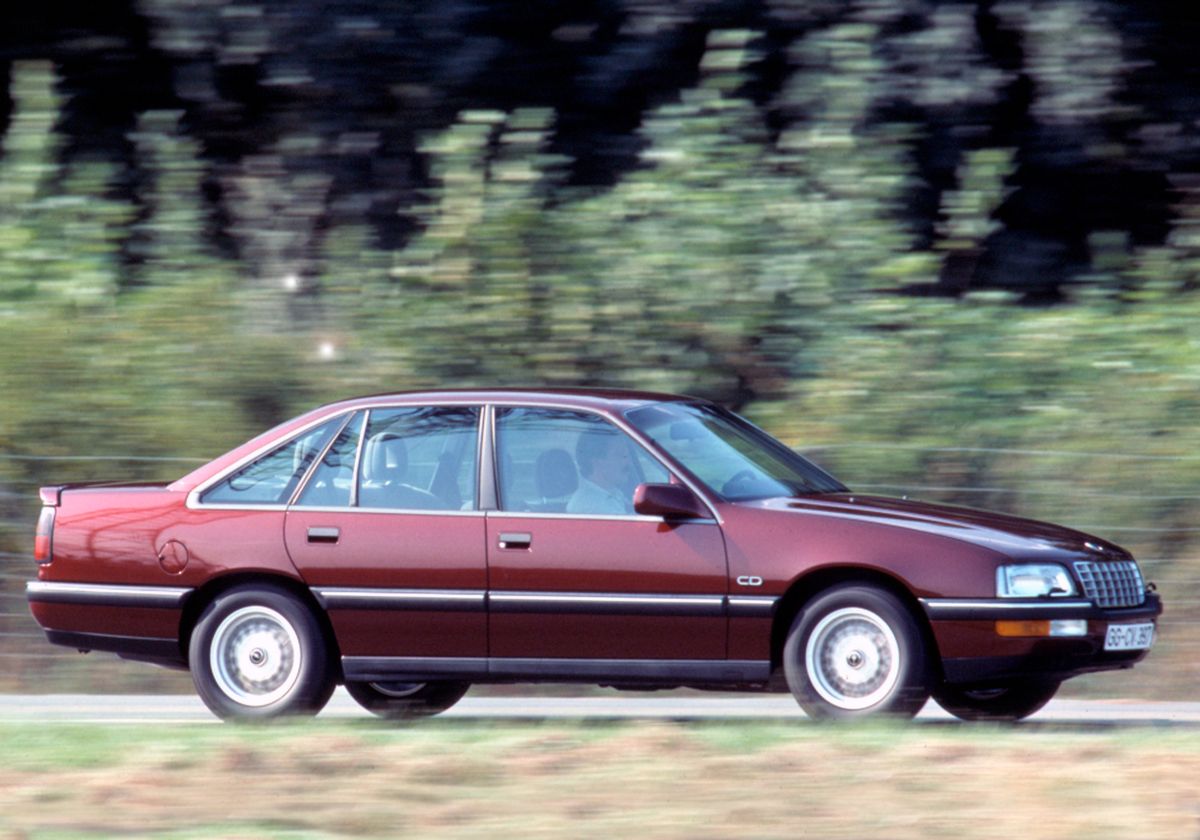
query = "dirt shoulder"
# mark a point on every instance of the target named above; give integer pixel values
(597, 780)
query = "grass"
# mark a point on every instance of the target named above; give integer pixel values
(604, 779)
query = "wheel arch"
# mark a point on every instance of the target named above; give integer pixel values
(204, 595)
(802, 590)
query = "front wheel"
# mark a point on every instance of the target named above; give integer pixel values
(855, 651)
(1003, 703)
(397, 700)
(258, 652)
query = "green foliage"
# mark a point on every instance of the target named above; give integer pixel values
(44, 207)
(167, 241)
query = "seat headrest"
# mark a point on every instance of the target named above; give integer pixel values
(386, 457)
(555, 474)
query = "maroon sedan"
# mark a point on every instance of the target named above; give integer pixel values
(408, 545)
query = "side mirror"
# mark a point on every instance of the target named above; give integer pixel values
(670, 501)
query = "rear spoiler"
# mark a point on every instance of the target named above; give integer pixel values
(52, 494)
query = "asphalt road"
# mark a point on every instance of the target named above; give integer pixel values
(183, 708)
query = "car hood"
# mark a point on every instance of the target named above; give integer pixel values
(1000, 532)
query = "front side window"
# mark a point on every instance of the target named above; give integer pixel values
(419, 458)
(559, 461)
(728, 454)
(272, 478)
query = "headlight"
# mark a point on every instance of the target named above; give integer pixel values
(1033, 580)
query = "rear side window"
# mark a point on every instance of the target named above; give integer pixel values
(419, 458)
(272, 478)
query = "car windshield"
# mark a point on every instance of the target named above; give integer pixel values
(731, 456)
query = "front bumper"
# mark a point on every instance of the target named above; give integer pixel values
(974, 653)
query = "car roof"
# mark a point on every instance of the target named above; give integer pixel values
(612, 398)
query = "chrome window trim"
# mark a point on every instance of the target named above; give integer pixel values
(595, 517)
(631, 432)
(400, 511)
(499, 514)
(358, 451)
(482, 443)
(487, 407)
(202, 506)
(490, 481)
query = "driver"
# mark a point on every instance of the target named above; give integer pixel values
(606, 473)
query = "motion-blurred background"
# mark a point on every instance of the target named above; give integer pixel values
(950, 250)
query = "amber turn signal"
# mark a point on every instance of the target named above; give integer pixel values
(1051, 627)
(1023, 628)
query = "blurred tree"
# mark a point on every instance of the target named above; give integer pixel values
(309, 115)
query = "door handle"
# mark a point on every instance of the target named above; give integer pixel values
(512, 540)
(323, 535)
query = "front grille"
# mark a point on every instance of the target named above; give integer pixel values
(1112, 584)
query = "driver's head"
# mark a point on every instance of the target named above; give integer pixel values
(603, 459)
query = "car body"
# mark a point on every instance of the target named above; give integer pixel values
(408, 545)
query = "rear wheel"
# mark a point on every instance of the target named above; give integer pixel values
(399, 700)
(258, 652)
(855, 651)
(1007, 702)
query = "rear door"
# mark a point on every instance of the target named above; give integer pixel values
(388, 533)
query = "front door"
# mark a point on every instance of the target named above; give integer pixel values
(580, 584)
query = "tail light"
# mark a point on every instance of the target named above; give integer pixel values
(43, 541)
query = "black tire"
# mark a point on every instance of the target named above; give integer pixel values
(258, 652)
(398, 701)
(856, 651)
(1003, 703)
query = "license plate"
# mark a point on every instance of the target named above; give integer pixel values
(1129, 636)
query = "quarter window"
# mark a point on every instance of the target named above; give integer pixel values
(419, 458)
(271, 479)
(557, 461)
(332, 480)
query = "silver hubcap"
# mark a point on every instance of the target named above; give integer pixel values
(255, 656)
(853, 659)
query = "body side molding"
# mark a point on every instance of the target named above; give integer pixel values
(441, 600)
(106, 594)
(582, 603)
